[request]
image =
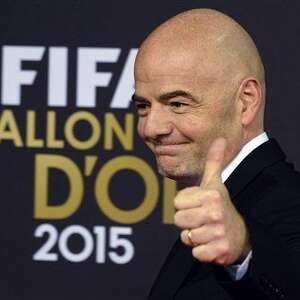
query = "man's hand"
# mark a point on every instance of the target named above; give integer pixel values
(218, 233)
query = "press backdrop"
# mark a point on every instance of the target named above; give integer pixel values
(83, 213)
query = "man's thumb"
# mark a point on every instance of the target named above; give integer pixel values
(214, 161)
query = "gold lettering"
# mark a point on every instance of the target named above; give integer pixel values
(43, 164)
(31, 139)
(9, 129)
(95, 130)
(52, 141)
(169, 192)
(113, 127)
(102, 189)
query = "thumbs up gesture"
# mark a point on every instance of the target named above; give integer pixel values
(210, 223)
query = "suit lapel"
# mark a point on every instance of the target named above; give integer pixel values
(263, 156)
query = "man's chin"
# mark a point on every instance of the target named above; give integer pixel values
(168, 165)
(178, 175)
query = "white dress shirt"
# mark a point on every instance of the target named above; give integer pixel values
(236, 272)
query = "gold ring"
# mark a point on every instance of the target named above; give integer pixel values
(189, 235)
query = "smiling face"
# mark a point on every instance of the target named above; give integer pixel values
(198, 76)
(181, 111)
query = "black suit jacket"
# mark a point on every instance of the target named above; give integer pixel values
(266, 191)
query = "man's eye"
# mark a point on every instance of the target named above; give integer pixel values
(178, 105)
(141, 107)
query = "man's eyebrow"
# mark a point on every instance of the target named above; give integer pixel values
(165, 96)
(137, 98)
(174, 94)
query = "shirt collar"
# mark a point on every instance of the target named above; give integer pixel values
(246, 150)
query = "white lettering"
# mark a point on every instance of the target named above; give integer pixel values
(57, 76)
(12, 74)
(125, 87)
(87, 76)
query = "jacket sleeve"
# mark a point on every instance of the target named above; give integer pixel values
(274, 231)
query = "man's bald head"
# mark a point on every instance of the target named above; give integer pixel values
(207, 34)
(208, 44)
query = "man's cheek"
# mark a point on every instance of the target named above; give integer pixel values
(140, 129)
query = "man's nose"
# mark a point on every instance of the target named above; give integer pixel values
(157, 124)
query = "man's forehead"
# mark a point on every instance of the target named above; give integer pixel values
(164, 62)
(167, 87)
(178, 65)
(166, 80)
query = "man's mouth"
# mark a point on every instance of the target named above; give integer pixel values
(168, 149)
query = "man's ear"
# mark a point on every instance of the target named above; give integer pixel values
(251, 99)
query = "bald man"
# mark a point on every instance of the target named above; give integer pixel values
(200, 97)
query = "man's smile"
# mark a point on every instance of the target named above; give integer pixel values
(168, 149)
